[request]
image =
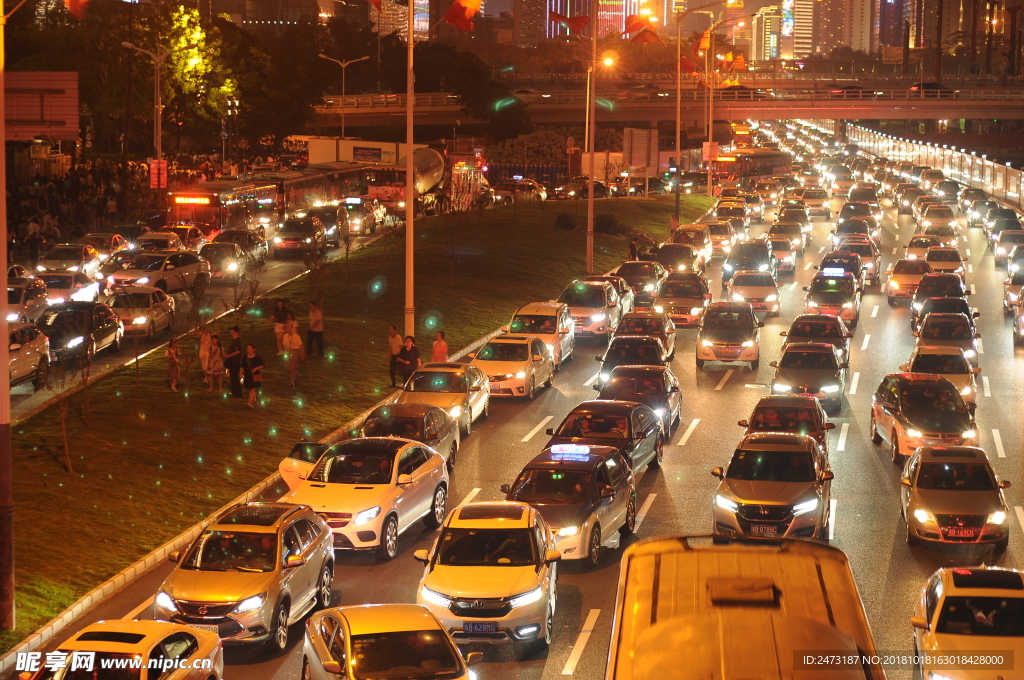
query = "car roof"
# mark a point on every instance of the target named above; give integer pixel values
(983, 581)
(401, 410)
(952, 454)
(777, 441)
(134, 636)
(787, 401)
(947, 316)
(731, 306)
(19, 325)
(550, 308)
(367, 619)
(256, 517)
(630, 369)
(809, 347)
(614, 406)
(512, 338)
(750, 272)
(920, 380)
(643, 313)
(443, 366)
(940, 349)
(135, 289)
(571, 457)
(487, 514)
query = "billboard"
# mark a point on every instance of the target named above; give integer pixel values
(41, 104)
(787, 17)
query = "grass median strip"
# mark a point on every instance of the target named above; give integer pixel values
(152, 462)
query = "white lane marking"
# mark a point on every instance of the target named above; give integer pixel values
(470, 496)
(970, 269)
(134, 614)
(821, 249)
(968, 251)
(853, 384)
(792, 286)
(592, 379)
(643, 511)
(981, 347)
(864, 345)
(874, 312)
(725, 379)
(973, 290)
(986, 386)
(689, 431)
(1020, 516)
(843, 432)
(1000, 452)
(832, 518)
(808, 266)
(537, 429)
(894, 250)
(581, 642)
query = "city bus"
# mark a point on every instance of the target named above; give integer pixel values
(748, 165)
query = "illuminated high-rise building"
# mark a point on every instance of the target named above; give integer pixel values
(765, 30)
(739, 29)
(843, 22)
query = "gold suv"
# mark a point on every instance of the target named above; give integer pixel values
(259, 568)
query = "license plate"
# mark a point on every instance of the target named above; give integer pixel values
(201, 626)
(764, 529)
(961, 532)
(479, 627)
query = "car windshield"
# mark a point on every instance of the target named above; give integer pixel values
(757, 280)
(154, 241)
(943, 255)
(862, 195)
(533, 324)
(129, 301)
(771, 466)
(552, 486)
(731, 320)
(366, 466)
(1017, 279)
(851, 209)
(807, 359)
(982, 616)
(596, 425)
(862, 249)
(918, 242)
(376, 426)
(407, 654)
(939, 212)
(64, 254)
(776, 419)
(815, 195)
(292, 228)
(628, 385)
(730, 211)
(105, 666)
(943, 364)
(720, 229)
(931, 400)
(815, 329)
(945, 330)
(147, 263)
(70, 319)
(633, 353)
(181, 232)
(682, 289)
(911, 267)
(504, 351)
(227, 550)
(581, 295)
(827, 284)
(781, 245)
(792, 216)
(438, 381)
(218, 252)
(640, 326)
(57, 280)
(940, 476)
(99, 242)
(231, 236)
(637, 269)
(487, 548)
(941, 230)
(940, 287)
(1012, 237)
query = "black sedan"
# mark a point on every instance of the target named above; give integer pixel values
(80, 329)
(645, 278)
(631, 350)
(654, 386)
(431, 425)
(633, 429)
(584, 493)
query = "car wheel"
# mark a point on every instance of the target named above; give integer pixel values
(307, 672)
(438, 509)
(700, 363)
(895, 441)
(630, 524)
(891, 300)
(531, 391)
(42, 372)
(547, 383)
(90, 353)
(468, 427)
(453, 452)
(151, 331)
(912, 539)
(876, 438)
(1001, 545)
(755, 364)
(323, 587)
(487, 408)
(278, 639)
(594, 547)
(388, 549)
(659, 453)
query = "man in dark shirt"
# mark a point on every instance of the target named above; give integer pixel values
(233, 361)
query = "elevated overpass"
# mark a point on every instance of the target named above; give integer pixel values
(658, 104)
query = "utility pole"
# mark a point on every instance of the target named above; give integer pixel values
(344, 70)
(410, 176)
(938, 41)
(974, 31)
(592, 137)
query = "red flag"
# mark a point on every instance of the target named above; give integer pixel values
(375, 3)
(76, 8)
(635, 22)
(647, 35)
(574, 24)
(739, 63)
(461, 13)
(687, 65)
(705, 40)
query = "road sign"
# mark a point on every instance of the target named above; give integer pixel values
(710, 151)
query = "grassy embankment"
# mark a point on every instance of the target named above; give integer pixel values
(153, 462)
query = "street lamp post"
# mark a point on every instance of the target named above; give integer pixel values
(158, 107)
(344, 70)
(410, 173)
(592, 136)
(710, 71)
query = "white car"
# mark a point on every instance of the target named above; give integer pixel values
(842, 184)
(462, 390)
(969, 610)
(72, 257)
(945, 260)
(757, 288)
(516, 365)
(64, 286)
(162, 240)
(918, 246)
(594, 306)
(905, 277)
(490, 576)
(166, 271)
(143, 310)
(948, 362)
(371, 490)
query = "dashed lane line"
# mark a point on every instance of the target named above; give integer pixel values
(592, 379)
(1000, 452)
(986, 387)
(1019, 511)
(540, 426)
(792, 286)
(725, 379)
(864, 345)
(894, 250)
(689, 431)
(874, 312)
(832, 518)
(970, 268)
(853, 384)
(843, 432)
(643, 511)
(808, 266)
(581, 642)
(470, 496)
(981, 347)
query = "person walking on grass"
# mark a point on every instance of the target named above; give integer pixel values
(293, 351)
(409, 358)
(252, 372)
(395, 345)
(315, 332)
(173, 357)
(280, 324)
(439, 351)
(233, 361)
(215, 365)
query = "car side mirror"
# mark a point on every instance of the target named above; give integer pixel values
(506, 488)
(828, 426)
(607, 492)
(14, 347)
(404, 480)
(977, 335)
(474, 658)
(174, 556)
(774, 364)
(550, 432)
(552, 556)
(169, 267)
(1005, 484)
(806, 289)
(743, 423)
(967, 292)
(976, 370)
(718, 472)
(421, 556)
(294, 561)
(504, 329)
(828, 476)
(597, 388)
(537, 357)
(844, 365)
(673, 388)
(905, 481)
(613, 304)
(471, 355)
(784, 333)
(332, 667)
(975, 315)
(474, 388)
(905, 368)
(916, 334)
(598, 359)
(919, 622)
(760, 324)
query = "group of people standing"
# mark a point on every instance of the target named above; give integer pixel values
(404, 355)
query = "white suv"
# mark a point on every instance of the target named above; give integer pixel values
(594, 306)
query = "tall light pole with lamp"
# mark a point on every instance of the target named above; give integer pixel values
(710, 90)
(158, 107)
(592, 134)
(344, 70)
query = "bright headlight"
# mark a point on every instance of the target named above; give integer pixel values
(277, 239)
(660, 411)
(918, 306)
(922, 515)
(780, 387)
(144, 280)
(568, 531)
(706, 343)
(727, 267)
(762, 268)
(830, 389)
(604, 376)
(599, 317)
(13, 316)
(456, 411)
(736, 297)
(969, 434)
(139, 320)
(233, 267)
(997, 517)
(726, 504)
(110, 279)
(1001, 250)
(893, 284)
(521, 374)
(366, 516)
(772, 298)
(914, 433)
(811, 303)
(694, 311)
(40, 268)
(73, 268)
(748, 343)
(788, 258)
(649, 287)
(75, 342)
(434, 598)
(249, 604)
(309, 240)
(805, 507)
(927, 223)
(969, 353)
(526, 598)
(103, 256)
(164, 601)
(847, 305)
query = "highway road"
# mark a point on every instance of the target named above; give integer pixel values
(678, 498)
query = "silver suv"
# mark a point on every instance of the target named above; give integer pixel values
(776, 486)
(29, 355)
(259, 568)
